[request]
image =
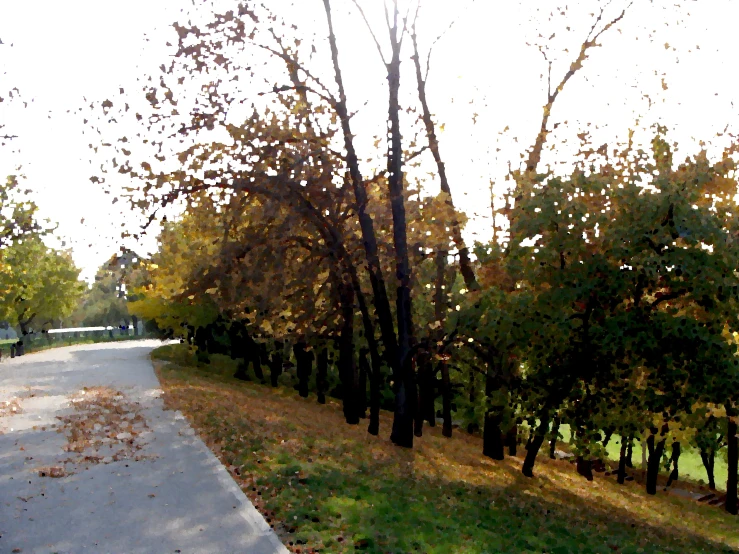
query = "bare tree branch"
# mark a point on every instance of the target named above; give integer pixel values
(369, 28)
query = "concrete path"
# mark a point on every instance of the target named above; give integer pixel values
(108, 470)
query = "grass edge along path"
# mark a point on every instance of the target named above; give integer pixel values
(325, 486)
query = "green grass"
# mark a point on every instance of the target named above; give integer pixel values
(40, 344)
(329, 487)
(690, 465)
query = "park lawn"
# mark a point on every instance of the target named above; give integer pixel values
(690, 465)
(328, 487)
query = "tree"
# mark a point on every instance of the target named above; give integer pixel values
(40, 285)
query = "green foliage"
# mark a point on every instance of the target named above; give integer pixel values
(40, 285)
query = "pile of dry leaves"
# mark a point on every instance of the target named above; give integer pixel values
(104, 427)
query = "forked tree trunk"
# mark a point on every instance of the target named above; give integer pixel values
(655, 457)
(708, 457)
(674, 474)
(535, 444)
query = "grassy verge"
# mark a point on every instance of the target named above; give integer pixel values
(329, 487)
(39, 344)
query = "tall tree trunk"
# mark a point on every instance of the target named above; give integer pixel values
(733, 455)
(347, 367)
(630, 451)
(304, 366)
(585, 467)
(135, 321)
(622, 462)
(674, 475)
(369, 239)
(321, 372)
(492, 436)
(254, 357)
(708, 457)
(554, 435)
(364, 370)
(511, 438)
(465, 265)
(405, 385)
(275, 365)
(535, 445)
(375, 374)
(655, 457)
(446, 399)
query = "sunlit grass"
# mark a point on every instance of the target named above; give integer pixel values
(329, 487)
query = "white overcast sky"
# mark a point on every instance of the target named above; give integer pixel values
(484, 78)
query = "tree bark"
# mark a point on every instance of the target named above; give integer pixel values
(446, 399)
(364, 370)
(621, 479)
(304, 366)
(369, 239)
(275, 364)
(708, 457)
(512, 439)
(655, 457)
(554, 435)
(535, 445)
(347, 367)
(321, 372)
(585, 467)
(405, 386)
(674, 475)
(630, 451)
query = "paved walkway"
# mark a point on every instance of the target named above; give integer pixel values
(107, 469)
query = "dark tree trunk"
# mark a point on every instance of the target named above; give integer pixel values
(275, 363)
(554, 436)
(256, 362)
(511, 439)
(364, 370)
(446, 399)
(492, 437)
(708, 457)
(321, 373)
(655, 457)
(405, 385)
(135, 321)
(607, 438)
(369, 239)
(304, 366)
(733, 455)
(585, 467)
(674, 475)
(347, 367)
(622, 461)
(630, 451)
(535, 445)
(425, 409)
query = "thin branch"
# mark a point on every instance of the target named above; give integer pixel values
(369, 28)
